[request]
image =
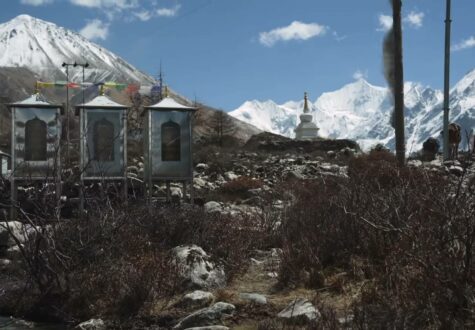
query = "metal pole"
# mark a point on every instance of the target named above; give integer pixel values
(399, 84)
(67, 65)
(67, 116)
(448, 22)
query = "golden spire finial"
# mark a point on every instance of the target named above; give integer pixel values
(166, 91)
(101, 90)
(305, 106)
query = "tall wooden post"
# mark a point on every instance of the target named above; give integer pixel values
(398, 84)
(448, 22)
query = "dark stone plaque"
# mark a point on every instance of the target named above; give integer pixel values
(171, 146)
(103, 140)
(35, 140)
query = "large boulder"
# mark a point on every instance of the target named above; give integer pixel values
(209, 327)
(300, 311)
(206, 316)
(254, 298)
(196, 299)
(196, 269)
(9, 231)
(92, 324)
(213, 207)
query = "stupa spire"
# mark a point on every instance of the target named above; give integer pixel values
(306, 130)
(305, 106)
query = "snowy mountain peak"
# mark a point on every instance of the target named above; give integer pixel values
(362, 111)
(466, 84)
(42, 47)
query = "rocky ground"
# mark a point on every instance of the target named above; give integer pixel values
(248, 182)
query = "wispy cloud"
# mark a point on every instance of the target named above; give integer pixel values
(385, 23)
(295, 31)
(338, 37)
(35, 2)
(464, 44)
(168, 12)
(415, 19)
(129, 9)
(95, 29)
(360, 75)
(120, 4)
(143, 15)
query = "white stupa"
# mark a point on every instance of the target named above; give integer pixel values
(306, 130)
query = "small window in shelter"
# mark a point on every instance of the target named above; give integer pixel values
(171, 146)
(103, 141)
(35, 140)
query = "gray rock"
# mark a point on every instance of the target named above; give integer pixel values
(436, 162)
(206, 316)
(456, 170)
(132, 169)
(14, 252)
(333, 168)
(347, 152)
(196, 269)
(255, 298)
(300, 311)
(210, 327)
(229, 176)
(255, 192)
(294, 175)
(213, 207)
(201, 167)
(5, 263)
(414, 163)
(199, 182)
(176, 194)
(15, 228)
(196, 299)
(92, 324)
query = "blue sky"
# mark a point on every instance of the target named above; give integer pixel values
(224, 52)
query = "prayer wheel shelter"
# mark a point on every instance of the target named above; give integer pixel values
(103, 145)
(168, 140)
(36, 133)
(35, 146)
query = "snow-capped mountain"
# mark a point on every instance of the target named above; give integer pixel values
(362, 112)
(42, 47)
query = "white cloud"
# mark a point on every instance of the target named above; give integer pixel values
(465, 44)
(129, 10)
(95, 29)
(360, 75)
(168, 12)
(385, 23)
(116, 4)
(415, 19)
(338, 37)
(295, 31)
(35, 2)
(143, 15)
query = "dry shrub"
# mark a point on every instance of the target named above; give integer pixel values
(410, 231)
(117, 261)
(228, 239)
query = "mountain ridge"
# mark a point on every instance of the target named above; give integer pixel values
(42, 46)
(362, 111)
